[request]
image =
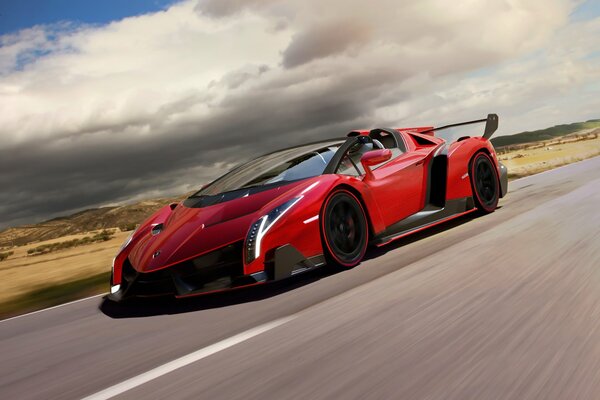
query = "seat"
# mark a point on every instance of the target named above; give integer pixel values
(387, 140)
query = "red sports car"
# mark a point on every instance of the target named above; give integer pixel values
(303, 207)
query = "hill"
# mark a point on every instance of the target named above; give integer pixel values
(544, 134)
(124, 217)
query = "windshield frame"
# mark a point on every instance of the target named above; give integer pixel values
(319, 145)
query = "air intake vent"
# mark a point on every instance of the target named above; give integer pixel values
(156, 229)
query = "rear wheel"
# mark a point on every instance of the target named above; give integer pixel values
(344, 229)
(484, 182)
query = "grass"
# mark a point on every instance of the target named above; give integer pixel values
(22, 275)
(533, 171)
(103, 236)
(44, 296)
(535, 159)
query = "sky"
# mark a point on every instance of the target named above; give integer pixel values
(22, 14)
(110, 102)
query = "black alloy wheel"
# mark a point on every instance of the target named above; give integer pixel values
(345, 229)
(484, 181)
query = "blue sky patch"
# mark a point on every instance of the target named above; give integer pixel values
(20, 14)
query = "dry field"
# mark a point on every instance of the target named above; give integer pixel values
(21, 274)
(538, 158)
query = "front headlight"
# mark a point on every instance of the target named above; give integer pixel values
(125, 244)
(259, 228)
(127, 241)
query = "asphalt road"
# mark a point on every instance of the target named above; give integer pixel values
(505, 306)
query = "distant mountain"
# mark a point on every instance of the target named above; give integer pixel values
(544, 134)
(125, 217)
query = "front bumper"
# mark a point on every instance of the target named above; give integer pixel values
(216, 271)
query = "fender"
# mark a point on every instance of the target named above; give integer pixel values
(460, 154)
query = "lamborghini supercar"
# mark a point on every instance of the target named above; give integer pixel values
(307, 206)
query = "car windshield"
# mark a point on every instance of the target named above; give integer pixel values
(281, 166)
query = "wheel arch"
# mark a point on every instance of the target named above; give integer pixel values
(481, 150)
(460, 157)
(489, 154)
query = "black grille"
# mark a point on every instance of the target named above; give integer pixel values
(146, 284)
(216, 270)
(219, 269)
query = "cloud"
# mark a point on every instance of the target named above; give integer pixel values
(161, 103)
(322, 41)
(226, 8)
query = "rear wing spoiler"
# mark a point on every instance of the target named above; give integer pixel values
(491, 125)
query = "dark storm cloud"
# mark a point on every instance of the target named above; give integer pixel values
(72, 172)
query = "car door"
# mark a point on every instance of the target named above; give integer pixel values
(397, 186)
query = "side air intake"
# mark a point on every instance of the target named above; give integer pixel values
(437, 181)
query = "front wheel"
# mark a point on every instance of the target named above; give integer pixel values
(344, 229)
(484, 182)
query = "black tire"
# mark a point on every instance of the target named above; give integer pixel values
(344, 229)
(484, 182)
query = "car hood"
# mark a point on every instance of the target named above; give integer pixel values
(188, 232)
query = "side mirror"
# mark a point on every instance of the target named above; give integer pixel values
(374, 157)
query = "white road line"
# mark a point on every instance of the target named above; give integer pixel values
(186, 360)
(53, 307)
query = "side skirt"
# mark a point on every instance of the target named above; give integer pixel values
(288, 261)
(427, 217)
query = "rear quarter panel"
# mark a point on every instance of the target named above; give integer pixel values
(459, 157)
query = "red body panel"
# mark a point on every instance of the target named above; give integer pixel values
(459, 155)
(395, 190)
(189, 232)
(403, 175)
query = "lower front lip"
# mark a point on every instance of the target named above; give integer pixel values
(219, 290)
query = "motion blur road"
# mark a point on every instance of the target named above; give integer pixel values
(504, 306)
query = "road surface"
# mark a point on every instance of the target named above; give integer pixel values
(505, 306)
